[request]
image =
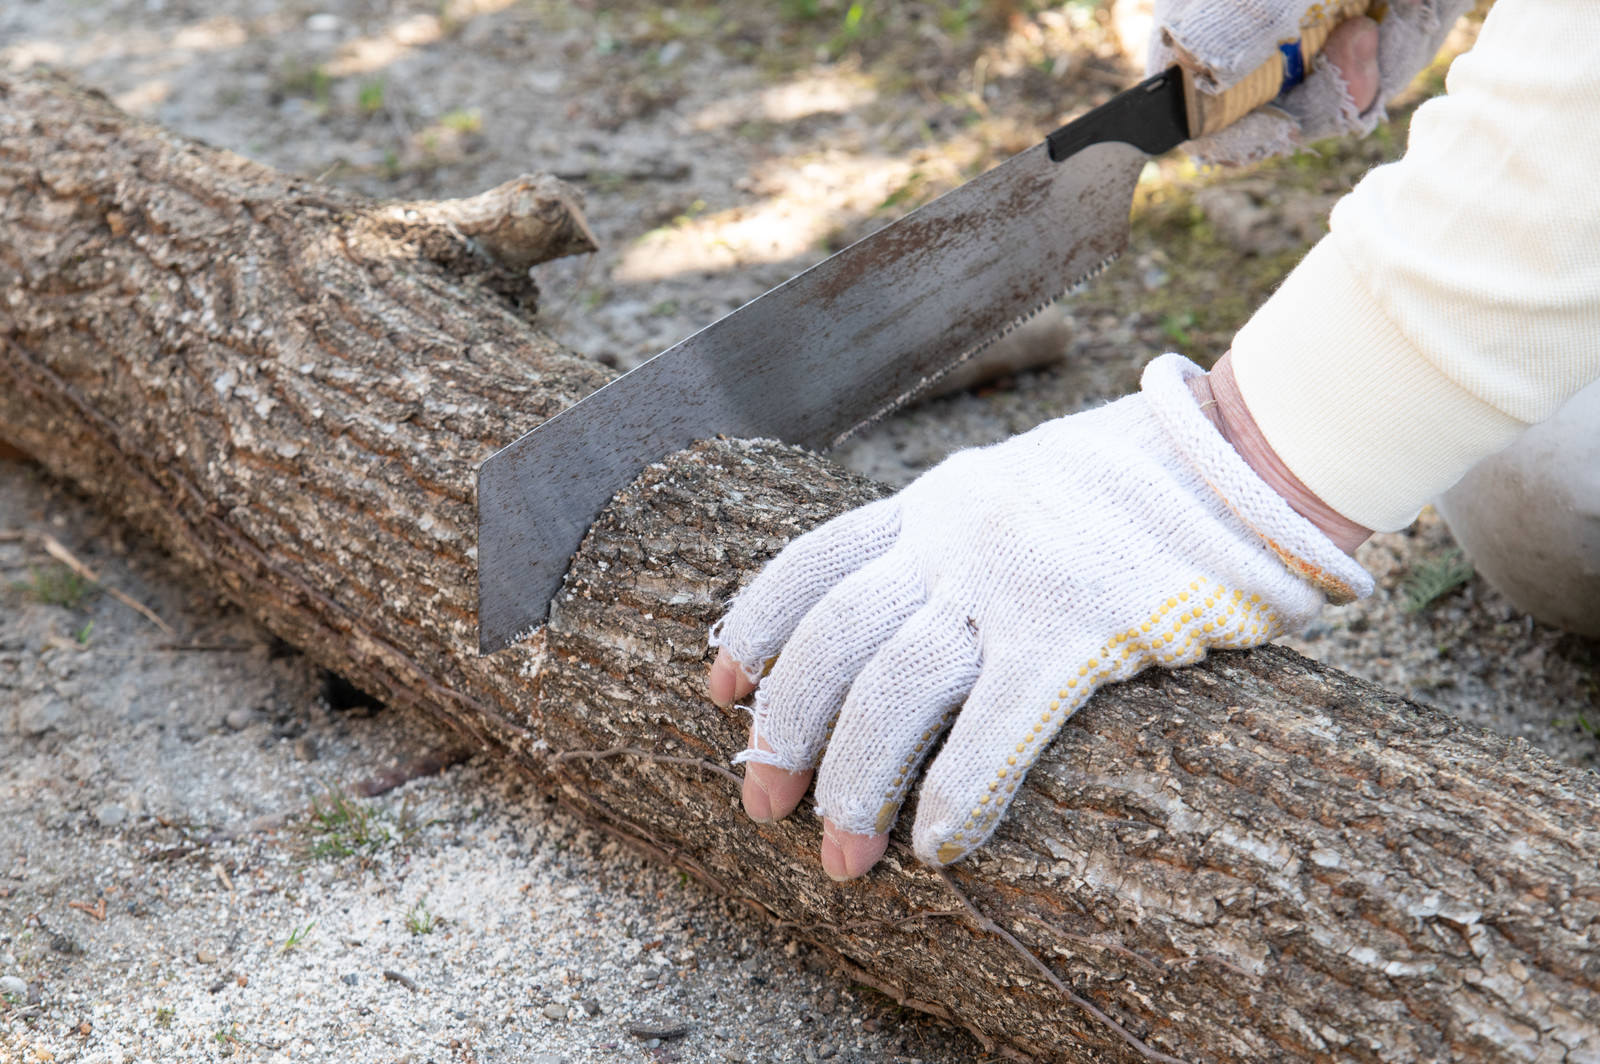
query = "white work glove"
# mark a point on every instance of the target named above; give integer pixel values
(1220, 43)
(1000, 589)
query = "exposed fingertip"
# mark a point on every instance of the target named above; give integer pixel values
(861, 852)
(782, 790)
(832, 854)
(847, 855)
(757, 802)
(722, 684)
(1353, 49)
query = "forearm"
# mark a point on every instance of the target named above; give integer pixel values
(1457, 298)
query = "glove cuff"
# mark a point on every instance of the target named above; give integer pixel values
(1294, 540)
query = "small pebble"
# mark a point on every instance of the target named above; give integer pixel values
(657, 1030)
(592, 1006)
(401, 978)
(349, 979)
(12, 987)
(239, 719)
(555, 1011)
(110, 814)
(205, 956)
(547, 1058)
(305, 748)
(733, 1054)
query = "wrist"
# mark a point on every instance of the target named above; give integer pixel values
(1220, 400)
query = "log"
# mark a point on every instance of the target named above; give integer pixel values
(1254, 859)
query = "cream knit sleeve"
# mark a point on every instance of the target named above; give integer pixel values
(1456, 299)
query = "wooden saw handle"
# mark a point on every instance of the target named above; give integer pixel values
(1213, 112)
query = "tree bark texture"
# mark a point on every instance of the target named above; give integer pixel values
(1255, 859)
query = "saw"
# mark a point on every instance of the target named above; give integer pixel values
(858, 334)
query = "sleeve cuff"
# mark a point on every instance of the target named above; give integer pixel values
(1302, 547)
(1350, 405)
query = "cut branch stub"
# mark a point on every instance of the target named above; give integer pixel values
(521, 223)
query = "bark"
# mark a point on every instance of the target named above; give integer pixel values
(1256, 859)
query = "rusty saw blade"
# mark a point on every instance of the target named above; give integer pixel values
(830, 349)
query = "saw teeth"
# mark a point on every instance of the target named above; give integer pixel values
(905, 397)
(1094, 271)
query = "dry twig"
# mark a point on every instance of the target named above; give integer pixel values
(428, 764)
(57, 550)
(1085, 940)
(98, 911)
(986, 924)
(404, 980)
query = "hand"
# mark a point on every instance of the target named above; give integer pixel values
(991, 597)
(1363, 64)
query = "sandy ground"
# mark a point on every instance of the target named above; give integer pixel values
(187, 870)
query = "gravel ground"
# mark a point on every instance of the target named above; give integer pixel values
(187, 870)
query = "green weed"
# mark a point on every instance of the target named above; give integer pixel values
(297, 937)
(911, 192)
(58, 585)
(419, 921)
(462, 121)
(227, 1038)
(1176, 327)
(956, 19)
(311, 83)
(1581, 722)
(165, 1015)
(370, 98)
(860, 23)
(341, 827)
(1434, 578)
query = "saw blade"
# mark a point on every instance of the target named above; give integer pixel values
(832, 348)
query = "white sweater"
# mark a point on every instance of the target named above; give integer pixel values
(1456, 299)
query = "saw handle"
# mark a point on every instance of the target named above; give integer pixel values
(1213, 112)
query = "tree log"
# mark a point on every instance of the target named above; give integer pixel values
(1254, 859)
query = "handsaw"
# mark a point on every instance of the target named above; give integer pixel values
(855, 336)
